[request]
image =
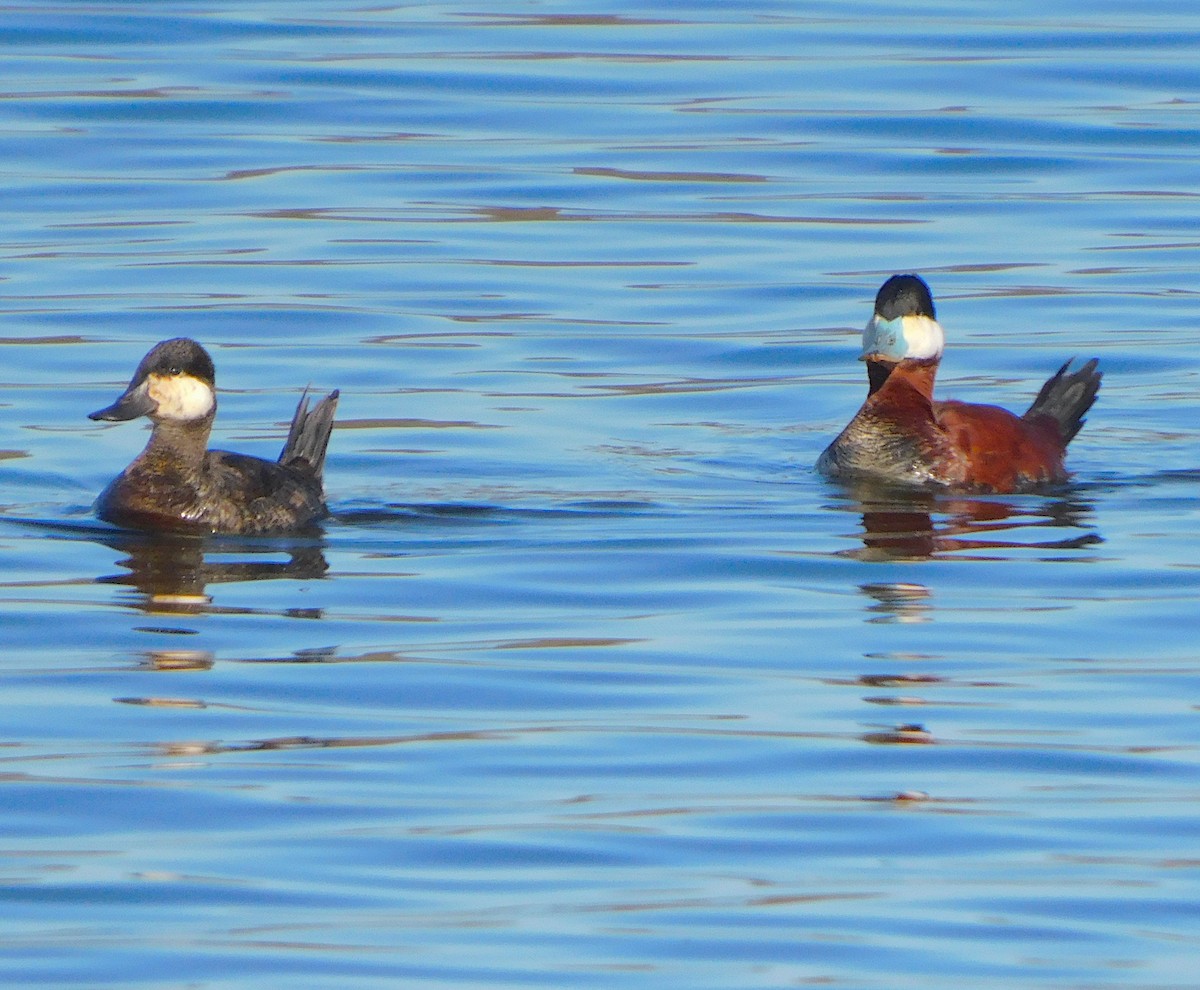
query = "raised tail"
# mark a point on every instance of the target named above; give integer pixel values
(309, 435)
(1065, 399)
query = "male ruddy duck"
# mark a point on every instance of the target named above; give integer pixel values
(902, 435)
(178, 484)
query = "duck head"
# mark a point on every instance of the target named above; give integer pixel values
(904, 326)
(175, 382)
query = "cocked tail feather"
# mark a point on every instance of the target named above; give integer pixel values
(1066, 398)
(308, 437)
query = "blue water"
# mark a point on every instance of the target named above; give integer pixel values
(589, 680)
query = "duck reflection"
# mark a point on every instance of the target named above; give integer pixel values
(900, 601)
(172, 660)
(169, 574)
(905, 524)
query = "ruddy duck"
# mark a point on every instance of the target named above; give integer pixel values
(902, 435)
(178, 484)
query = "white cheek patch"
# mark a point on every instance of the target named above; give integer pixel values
(914, 337)
(180, 397)
(924, 336)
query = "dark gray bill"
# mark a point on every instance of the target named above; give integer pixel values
(134, 403)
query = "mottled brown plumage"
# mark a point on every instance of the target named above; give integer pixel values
(177, 484)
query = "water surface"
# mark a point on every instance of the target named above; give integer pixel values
(589, 680)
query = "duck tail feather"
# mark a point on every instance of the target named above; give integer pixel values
(1066, 397)
(309, 434)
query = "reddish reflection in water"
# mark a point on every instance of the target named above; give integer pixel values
(901, 524)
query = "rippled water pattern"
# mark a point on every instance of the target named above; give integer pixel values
(589, 681)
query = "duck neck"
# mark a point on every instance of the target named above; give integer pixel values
(919, 375)
(877, 374)
(181, 445)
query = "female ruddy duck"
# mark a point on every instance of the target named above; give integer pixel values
(178, 484)
(902, 435)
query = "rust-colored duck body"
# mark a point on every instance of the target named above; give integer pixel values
(901, 435)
